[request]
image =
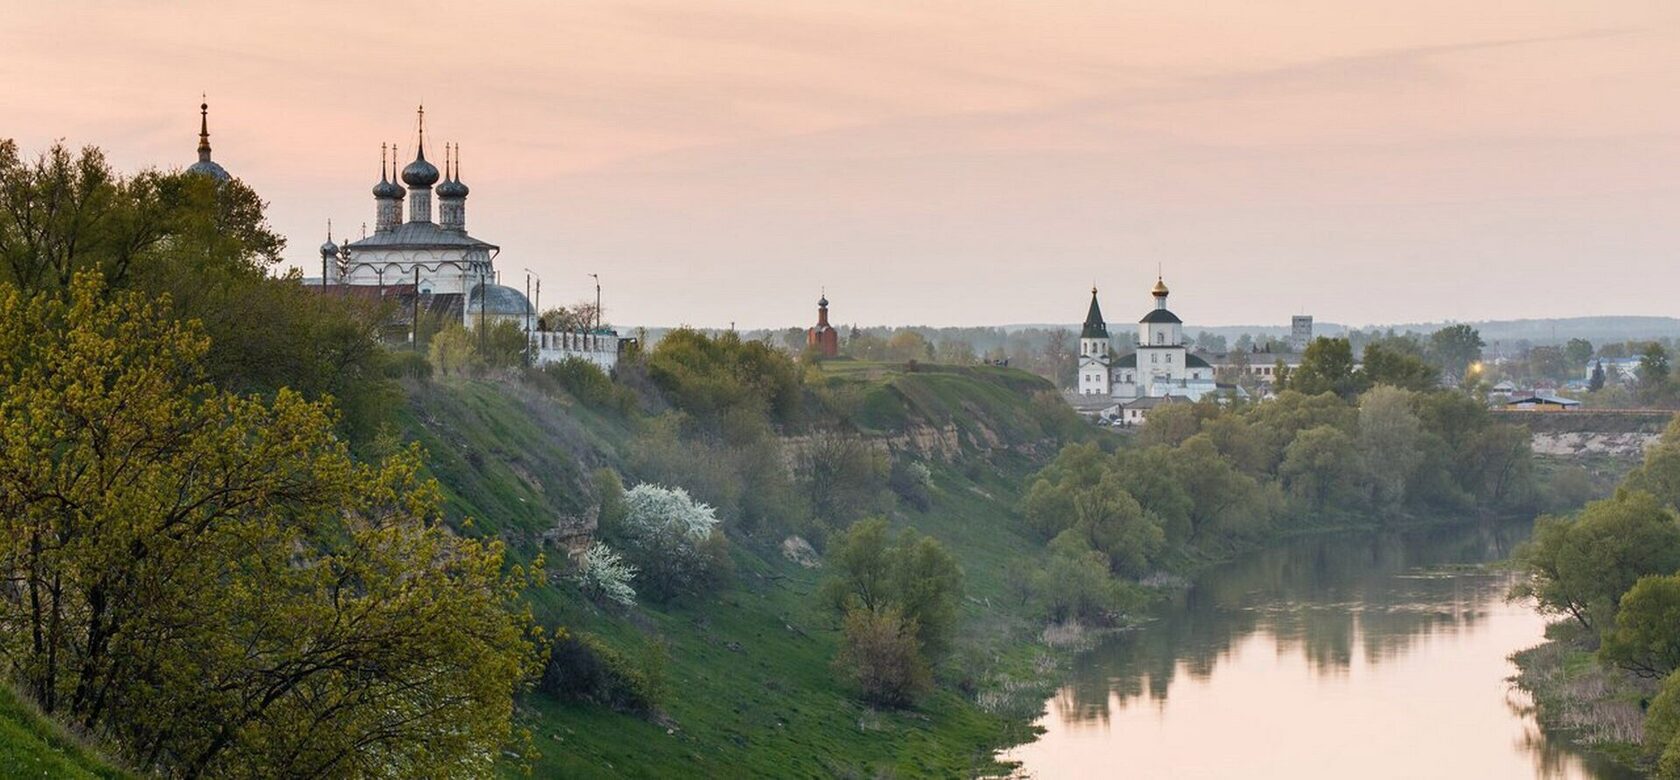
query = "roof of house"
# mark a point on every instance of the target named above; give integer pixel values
(1542, 398)
(1151, 401)
(1160, 315)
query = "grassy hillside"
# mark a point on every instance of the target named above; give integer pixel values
(748, 686)
(32, 745)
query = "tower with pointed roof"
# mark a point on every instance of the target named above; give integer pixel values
(452, 194)
(822, 338)
(1094, 376)
(206, 166)
(1161, 365)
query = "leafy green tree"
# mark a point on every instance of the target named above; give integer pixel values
(1646, 639)
(211, 580)
(1455, 347)
(1390, 435)
(1076, 585)
(1549, 363)
(1386, 365)
(879, 655)
(1326, 367)
(1577, 352)
(452, 351)
(1321, 469)
(1224, 501)
(1662, 729)
(1581, 568)
(1171, 424)
(1659, 474)
(876, 571)
(843, 475)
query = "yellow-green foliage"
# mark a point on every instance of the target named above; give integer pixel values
(213, 580)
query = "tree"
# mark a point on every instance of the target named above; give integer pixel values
(876, 571)
(1662, 729)
(1321, 468)
(1171, 424)
(1577, 352)
(213, 581)
(1385, 365)
(580, 316)
(452, 351)
(1389, 438)
(1455, 347)
(1326, 367)
(1549, 363)
(1596, 382)
(671, 539)
(843, 476)
(1646, 639)
(1581, 568)
(878, 654)
(604, 574)
(1653, 366)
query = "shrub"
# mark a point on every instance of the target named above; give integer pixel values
(408, 365)
(670, 538)
(605, 575)
(911, 482)
(1582, 568)
(879, 655)
(591, 386)
(582, 667)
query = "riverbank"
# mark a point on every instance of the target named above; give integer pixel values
(1596, 709)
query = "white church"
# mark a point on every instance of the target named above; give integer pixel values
(436, 266)
(1160, 369)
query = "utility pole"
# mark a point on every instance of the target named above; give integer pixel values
(414, 314)
(534, 311)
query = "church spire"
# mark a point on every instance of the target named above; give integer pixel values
(204, 129)
(205, 165)
(1094, 327)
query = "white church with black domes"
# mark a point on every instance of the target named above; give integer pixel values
(1159, 367)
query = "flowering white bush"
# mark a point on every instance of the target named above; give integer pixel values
(671, 537)
(606, 575)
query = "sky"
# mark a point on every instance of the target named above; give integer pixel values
(942, 163)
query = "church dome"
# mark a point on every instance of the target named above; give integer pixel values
(386, 189)
(420, 173)
(1160, 290)
(495, 300)
(452, 188)
(209, 168)
(329, 249)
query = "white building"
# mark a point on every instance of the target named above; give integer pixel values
(1159, 365)
(438, 267)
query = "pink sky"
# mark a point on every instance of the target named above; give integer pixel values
(937, 162)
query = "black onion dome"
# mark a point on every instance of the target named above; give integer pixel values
(452, 188)
(420, 173)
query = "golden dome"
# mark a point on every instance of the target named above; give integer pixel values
(1160, 290)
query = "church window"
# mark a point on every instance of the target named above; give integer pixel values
(1154, 358)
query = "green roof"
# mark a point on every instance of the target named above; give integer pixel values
(1094, 328)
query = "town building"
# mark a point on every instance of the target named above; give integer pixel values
(822, 339)
(432, 268)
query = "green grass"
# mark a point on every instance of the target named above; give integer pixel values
(749, 687)
(32, 745)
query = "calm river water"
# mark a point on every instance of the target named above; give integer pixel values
(1343, 656)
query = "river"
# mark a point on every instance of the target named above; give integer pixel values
(1368, 655)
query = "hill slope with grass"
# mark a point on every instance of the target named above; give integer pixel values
(742, 675)
(32, 745)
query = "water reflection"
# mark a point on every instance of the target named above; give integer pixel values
(1375, 654)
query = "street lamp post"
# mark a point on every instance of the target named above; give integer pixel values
(597, 278)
